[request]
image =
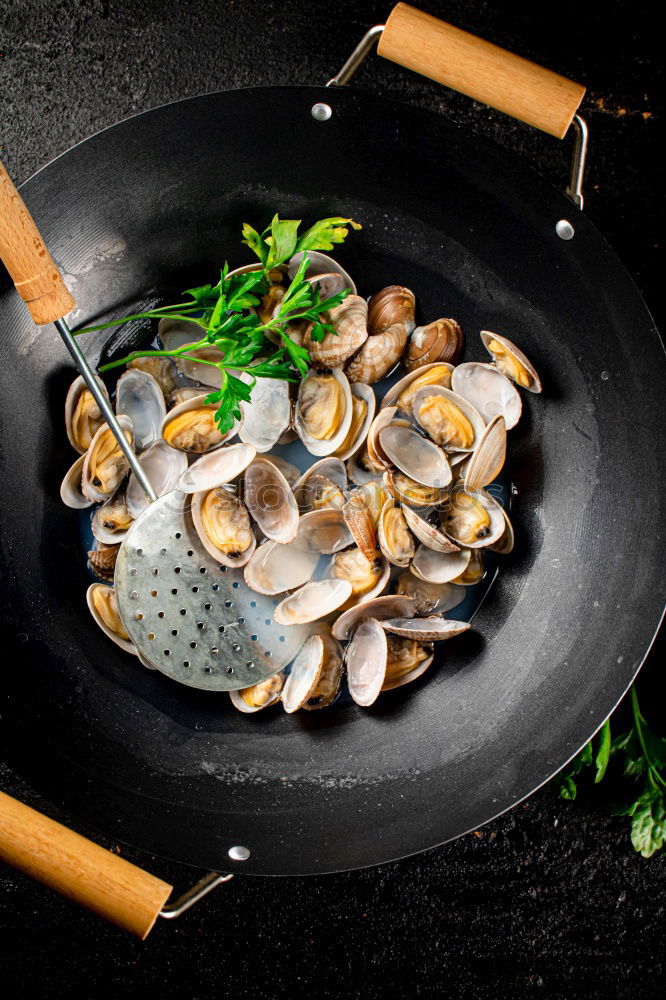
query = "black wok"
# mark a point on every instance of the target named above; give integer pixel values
(152, 205)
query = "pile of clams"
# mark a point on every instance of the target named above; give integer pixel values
(378, 525)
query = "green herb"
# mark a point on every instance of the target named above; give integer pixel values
(229, 321)
(643, 757)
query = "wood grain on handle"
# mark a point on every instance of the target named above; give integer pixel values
(37, 279)
(480, 70)
(79, 869)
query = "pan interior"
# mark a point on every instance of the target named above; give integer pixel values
(155, 205)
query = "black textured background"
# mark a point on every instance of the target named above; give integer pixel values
(548, 901)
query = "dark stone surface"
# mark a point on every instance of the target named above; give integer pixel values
(550, 900)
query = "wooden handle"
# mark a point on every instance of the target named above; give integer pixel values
(480, 70)
(77, 868)
(37, 279)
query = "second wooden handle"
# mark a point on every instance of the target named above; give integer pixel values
(33, 271)
(480, 70)
(79, 869)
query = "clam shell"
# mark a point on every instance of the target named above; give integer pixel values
(70, 488)
(268, 414)
(328, 685)
(413, 675)
(395, 558)
(505, 542)
(313, 601)
(379, 354)
(497, 523)
(430, 598)
(490, 392)
(329, 445)
(488, 457)
(465, 407)
(320, 263)
(216, 468)
(78, 387)
(432, 629)
(441, 340)
(416, 456)
(162, 369)
(102, 561)
(270, 501)
(394, 393)
(357, 471)
(487, 337)
(474, 572)
(183, 395)
(323, 531)
(123, 643)
(290, 472)
(163, 466)
(437, 566)
(376, 453)
(198, 402)
(359, 519)
(100, 531)
(233, 561)
(380, 608)
(175, 333)
(140, 397)
(393, 305)
(426, 532)
(329, 468)
(376, 589)
(88, 488)
(271, 687)
(349, 320)
(304, 675)
(366, 662)
(274, 568)
(408, 491)
(364, 392)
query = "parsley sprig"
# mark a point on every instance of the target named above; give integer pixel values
(229, 321)
(642, 755)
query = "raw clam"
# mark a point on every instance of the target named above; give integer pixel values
(270, 501)
(395, 538)
(191, 426)
(441, 340)
(216, 468)
(83, 417)
(511, 361)
(105, 465)
(489, 392)
(182, 395)
(304, 676)
(429, 598)
(439, 567)
(349, 320)
(258, 696)
(330, 677)
(377, 457)
(163, 466)
(379, 608)
(139, 397)
(416, 456)
(223, 525)
(363, 412)
(473, 520)
(366, 662)
(393, 305)
(406, 660)
(70, 488)
(323, 411)
(487, 460)
(401, 395)
(314, 600)
(112, 520)
(268, 414)
(375, 495)
(104, 609)
(448, 419)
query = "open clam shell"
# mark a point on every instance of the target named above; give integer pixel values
(396, 675)
(402, 393)
(408, 491)
(511, 361)
(437, 566)
(442, 430)
(488, 457)
(379, 608)
(330, 678)
(103, 606)
(364, 403)
(175, 333)
(140, 397)
(474, 571)
(304, 675)
(70, 488)
(112, 520)
(489, 392)
(368, 577)
(83, 418)
(377, 457)
(163, 466)
(274, 568)
(323, 531)
(270, 500)
(315, 600)
(323, 412)
(473, 520)
(104, 464)
(395, 538)
(322, 485)
(431, 629)
(505, 542)
(162, 369)
(429, 598)
(268, 414)
(417, 456)
(216, 468)
(320, 263)
(222, 523)
(366, 662)
(258, 696)
(190, 426)
(426, 532)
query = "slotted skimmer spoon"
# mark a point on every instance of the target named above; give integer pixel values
(189, 617)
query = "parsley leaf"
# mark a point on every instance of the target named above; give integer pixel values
(325, 233)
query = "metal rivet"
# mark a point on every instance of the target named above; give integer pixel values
(321, 112)
(239, 853)
(564, 229)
